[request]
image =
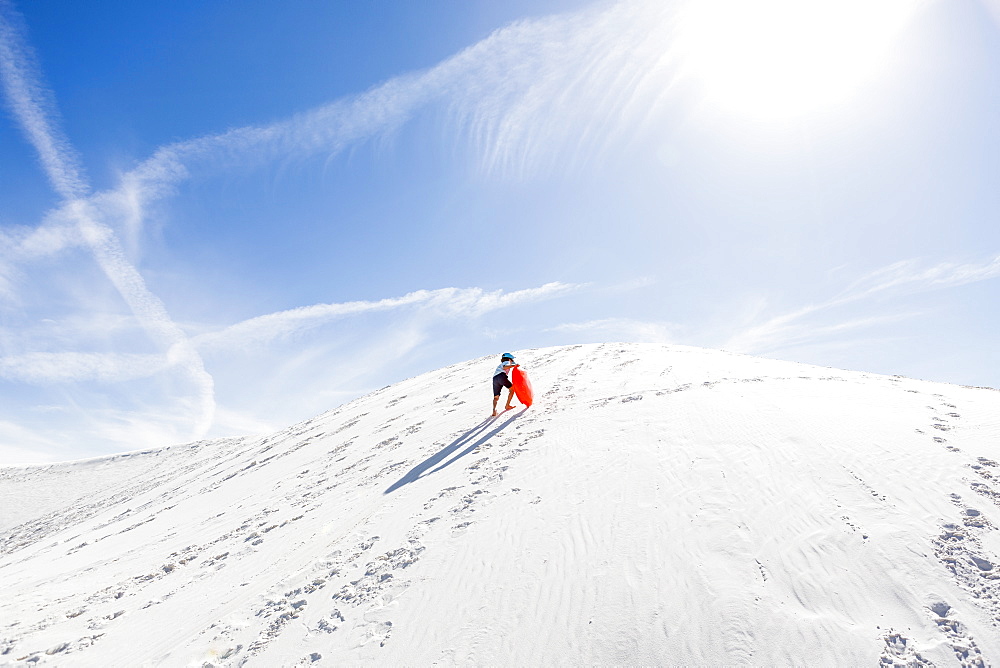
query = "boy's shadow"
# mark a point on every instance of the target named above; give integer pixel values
(417, 472)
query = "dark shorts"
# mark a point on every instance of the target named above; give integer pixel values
(500, 381)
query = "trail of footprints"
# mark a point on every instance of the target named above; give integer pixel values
(112, 602)
(363, 585)
(959, 550)
(959, 546)
(900, 652)
(367, 578)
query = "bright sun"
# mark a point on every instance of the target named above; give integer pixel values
(781, 58)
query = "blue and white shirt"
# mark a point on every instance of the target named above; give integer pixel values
(504, 368)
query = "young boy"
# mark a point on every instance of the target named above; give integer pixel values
(501, 380)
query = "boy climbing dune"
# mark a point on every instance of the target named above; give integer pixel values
(501, 379)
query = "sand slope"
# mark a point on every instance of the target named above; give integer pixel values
(657, 505)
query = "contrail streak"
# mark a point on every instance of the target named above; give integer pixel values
(34, 109)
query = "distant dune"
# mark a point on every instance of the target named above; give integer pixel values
(657, 505)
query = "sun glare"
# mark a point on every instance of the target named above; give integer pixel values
(781, 58)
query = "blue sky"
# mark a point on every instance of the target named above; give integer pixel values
(219, 218)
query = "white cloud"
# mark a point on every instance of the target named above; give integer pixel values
(908, 276)
(20, 245)
(34, 109)
(33, 106)
(789, 331)
(450, 302)
(20, 445)
(553, 91)
(799, 327)
(70, 367)
(622, 329)
(305, 371)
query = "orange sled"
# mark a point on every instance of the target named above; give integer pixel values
(522, 386)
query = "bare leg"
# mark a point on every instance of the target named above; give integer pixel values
(495, 400)
(510, 398)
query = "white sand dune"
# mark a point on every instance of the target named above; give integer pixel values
(657, 505)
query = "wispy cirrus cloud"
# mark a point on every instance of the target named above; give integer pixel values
(22, 444)
(34, 109)
(33, 105)
(910, 276)
(447, 302)
(622, 329)
(804, 325)
(540, 94)
(70, 367)
(432, 305)
(826, 323)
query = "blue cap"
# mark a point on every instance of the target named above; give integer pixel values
(506, 356)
